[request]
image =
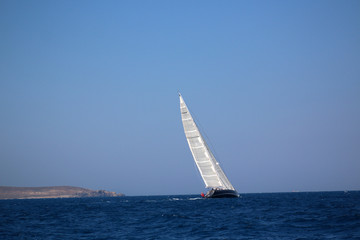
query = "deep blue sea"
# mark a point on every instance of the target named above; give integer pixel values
(313, 215)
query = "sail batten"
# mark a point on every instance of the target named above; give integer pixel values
(210, 170)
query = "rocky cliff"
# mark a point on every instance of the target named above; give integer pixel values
(52, 192)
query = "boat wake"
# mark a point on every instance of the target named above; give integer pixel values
(197, 198)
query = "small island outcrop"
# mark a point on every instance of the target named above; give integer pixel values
(53, 192)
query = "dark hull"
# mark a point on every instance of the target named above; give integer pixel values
(222, 193)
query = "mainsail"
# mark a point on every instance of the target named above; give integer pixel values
(209, 168)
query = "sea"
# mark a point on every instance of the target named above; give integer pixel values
(301, 215)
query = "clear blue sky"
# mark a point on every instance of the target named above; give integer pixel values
(88, 93)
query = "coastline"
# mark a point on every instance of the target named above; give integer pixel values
(7, 192)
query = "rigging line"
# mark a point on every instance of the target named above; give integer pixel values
(202, 130)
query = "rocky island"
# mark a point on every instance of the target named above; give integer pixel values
(53, 192)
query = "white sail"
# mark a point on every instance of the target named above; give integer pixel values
(209, 168)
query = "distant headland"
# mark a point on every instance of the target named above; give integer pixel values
(53, 192)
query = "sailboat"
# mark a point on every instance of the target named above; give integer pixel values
(210, 170)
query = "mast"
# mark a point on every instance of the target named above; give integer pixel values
(210, 170)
